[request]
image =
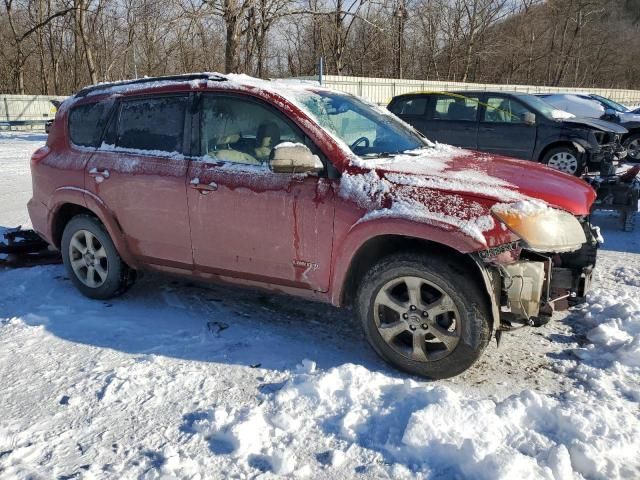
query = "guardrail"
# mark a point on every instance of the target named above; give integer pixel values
(19, 111)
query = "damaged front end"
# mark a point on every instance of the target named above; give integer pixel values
(534, 277)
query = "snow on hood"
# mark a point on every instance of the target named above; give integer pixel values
(561, 114)
(410, 186)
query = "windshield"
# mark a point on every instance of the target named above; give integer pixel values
(543, 107)
(363, 127)
(607, 102)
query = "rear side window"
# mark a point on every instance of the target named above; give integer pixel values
(410, 106)
(86, 124)
(455, 108)
(152, 124)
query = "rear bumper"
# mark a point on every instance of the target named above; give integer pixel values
(39, 215)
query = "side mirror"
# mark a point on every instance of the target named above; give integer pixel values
(529, 118)
(610, 115)
(290, 157)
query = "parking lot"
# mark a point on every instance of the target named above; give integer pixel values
(194, 381)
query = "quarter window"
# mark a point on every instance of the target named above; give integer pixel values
(410, 106)
(240, 131)
(86, 125)
(152, 124)
(504, 110)
(455, 108)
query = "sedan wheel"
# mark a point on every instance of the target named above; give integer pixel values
(564, 161)
(633, 149)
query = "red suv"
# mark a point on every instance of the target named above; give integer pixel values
(294, 188)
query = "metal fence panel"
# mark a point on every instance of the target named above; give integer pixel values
(27, 108)
(381, 90)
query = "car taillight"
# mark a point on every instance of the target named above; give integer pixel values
(39, 154)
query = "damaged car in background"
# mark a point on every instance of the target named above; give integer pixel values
(515, 124)
(293, 188)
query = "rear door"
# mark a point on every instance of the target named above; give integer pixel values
(412, 109)
(453, 119)
(139, 172)
(503, 129)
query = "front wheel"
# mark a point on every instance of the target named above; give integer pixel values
(424, 316)
(632, 144)
(92, 261)
(565, 159)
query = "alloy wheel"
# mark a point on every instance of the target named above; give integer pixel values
(88, 259)
(417, 319)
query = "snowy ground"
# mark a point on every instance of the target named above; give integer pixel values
(178, 380)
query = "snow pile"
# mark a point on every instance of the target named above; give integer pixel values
(628, 275)
(611, 362)
(430, 430)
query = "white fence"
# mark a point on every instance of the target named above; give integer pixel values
(35, 110)
(381, 90)
(28, 110)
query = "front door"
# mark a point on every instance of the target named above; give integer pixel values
(413, 110)
(246, 221)
(503, 129)
(139, 173)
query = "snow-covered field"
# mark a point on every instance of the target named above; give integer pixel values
(182, 380)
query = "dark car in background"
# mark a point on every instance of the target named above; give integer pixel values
(597, 106)
(513, 124)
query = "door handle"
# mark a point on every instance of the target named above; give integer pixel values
(203, 188)
(94, 172)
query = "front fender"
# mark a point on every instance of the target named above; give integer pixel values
(346, 248)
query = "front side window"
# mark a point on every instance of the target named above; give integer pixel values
(86, 124)
(242, 131)
(367, 130)
(152, 124)
(504, 110)
(455, 108)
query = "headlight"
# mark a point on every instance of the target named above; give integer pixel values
(542, 228)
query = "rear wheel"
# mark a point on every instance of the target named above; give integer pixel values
(565, 159)
(423, 316)
(632, 144)
(91, 259)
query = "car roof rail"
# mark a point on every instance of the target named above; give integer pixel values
(141, 81)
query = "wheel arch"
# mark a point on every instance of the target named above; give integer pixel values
(375, 248)
(67, 208)
(556, 144)
(633, 131)
(62, 215)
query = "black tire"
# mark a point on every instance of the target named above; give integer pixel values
(458, 284)
(632, 144)
(118, 278)
(554, 159)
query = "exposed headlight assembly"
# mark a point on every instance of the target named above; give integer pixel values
(542, 228)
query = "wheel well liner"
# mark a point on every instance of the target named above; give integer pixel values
(62, 216)
(384, 245)
(559, 143)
